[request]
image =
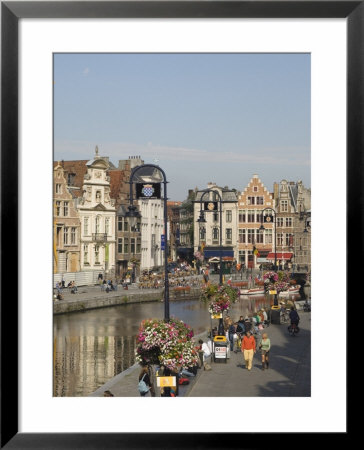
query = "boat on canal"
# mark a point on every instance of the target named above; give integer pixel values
(252, 291)
(291, 291)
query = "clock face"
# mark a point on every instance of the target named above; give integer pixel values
(210, 206)
(268, 219)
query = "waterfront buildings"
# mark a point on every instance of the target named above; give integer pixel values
(207, 236)
(253, 245)
(97, 216)
(66, 238)
(92, 231)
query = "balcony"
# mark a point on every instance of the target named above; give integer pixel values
(99, 237)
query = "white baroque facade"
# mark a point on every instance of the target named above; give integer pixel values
(211, 235)
(97, 215)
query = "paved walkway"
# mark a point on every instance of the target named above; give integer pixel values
(289, 373)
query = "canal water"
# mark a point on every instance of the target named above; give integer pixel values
(91, 347)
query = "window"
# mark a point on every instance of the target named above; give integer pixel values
(229, 216)
(242, 236)
(242, 215)
(251, 200)
(97, 224)
(138, 245)
(85, 254)
(58, 208)
(202, 234)
(215, 235)
(279, 221)
(284, 205)
(65, 209)
(288, 221)
(259, 238)
(65, 235)
(229, 235)
(120, 224)
(71, 179)
(126, 245)
(251, 216)
(259, 217)
(85, 226)
(255, 189)
(120, 245)
(126, 225)
(98, 196)
(268, 236)
(132, 245)
(215, 217)
(260, 201)
(73, 235)
(251, 236)
(279, 239)
(107, 225)
(97, 254)
(58, 188)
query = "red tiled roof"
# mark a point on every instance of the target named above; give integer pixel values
(76, 167)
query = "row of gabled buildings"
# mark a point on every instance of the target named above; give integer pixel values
(252, 234)
(92, 232)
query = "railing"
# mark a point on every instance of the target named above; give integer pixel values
(99, 237)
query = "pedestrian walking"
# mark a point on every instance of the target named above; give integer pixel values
(231, 332)
(144, 376)
(264, 348)
(248, 349)
(240, 330)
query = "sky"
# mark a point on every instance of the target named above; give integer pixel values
(201, 117)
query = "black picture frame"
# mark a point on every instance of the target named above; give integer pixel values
(11, 12)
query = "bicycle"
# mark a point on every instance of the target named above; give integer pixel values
(293, 329)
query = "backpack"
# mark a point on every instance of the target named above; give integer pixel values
(142, 386)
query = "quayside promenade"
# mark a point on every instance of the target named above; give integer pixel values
(289, 373)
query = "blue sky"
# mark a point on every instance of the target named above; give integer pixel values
(204, 117)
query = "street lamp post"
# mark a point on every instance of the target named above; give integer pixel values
(261, 228)
(132, 213)
(201, 220)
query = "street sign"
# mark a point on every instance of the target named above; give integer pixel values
(163, 242)
(273, 292)
(220, 352)
(148, 190)
(216, 316)
(210, 206)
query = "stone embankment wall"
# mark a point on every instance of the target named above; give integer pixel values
(83, 304)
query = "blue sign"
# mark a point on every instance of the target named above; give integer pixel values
(163, 244)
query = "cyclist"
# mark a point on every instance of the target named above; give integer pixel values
(294, 317)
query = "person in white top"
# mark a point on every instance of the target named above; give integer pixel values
(205, 349)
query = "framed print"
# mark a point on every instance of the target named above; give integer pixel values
(31, 32)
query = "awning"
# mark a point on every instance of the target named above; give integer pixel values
(224, 258)
(211, 253)
(280, 256)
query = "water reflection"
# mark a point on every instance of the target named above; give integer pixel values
(91, 347)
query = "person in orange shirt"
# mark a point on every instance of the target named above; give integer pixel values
(248, 348)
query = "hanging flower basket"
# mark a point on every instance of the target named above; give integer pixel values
(218, 297)
(168, 343)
